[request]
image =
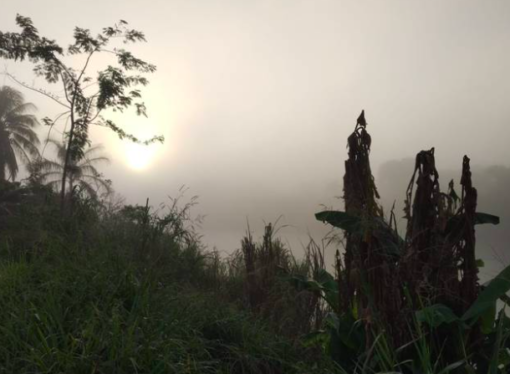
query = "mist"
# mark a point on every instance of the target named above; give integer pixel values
(256, 100)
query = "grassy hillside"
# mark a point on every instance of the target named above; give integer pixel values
(123, 291)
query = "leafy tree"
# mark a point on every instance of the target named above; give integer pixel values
(17, 137)
(86, 100)
(81, 173)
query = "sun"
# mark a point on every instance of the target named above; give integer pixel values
(139, 156)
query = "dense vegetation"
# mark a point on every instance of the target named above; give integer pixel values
(90, 286)
(121, 290)
(118, 288)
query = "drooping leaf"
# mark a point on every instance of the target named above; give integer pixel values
(389, 240)
(351, 332)
(340, 219)
(346, 338)
(319, 337)
(488, 318)
(454, 224)
(327, 281)
(484, 218)
(435, 315)
(325, 286)
(494, 362)
(504, 298)
(495, 289)
(332, 321)
(452, 367)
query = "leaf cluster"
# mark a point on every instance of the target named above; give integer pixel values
(116, 84)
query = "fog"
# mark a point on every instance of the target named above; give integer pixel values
(256, 100)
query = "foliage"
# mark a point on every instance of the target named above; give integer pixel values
(131, 289)
(494, 290)
(417, 299)
(17, 136)
(76, 312)
(117, 85)
(89, 296)
(82, 174)
(266, 268)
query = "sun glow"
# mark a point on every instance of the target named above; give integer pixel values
(139, 156)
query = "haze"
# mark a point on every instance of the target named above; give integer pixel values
(256, 100)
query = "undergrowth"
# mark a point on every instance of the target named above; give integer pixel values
(113, 288)
(96, 312)
(126, 291)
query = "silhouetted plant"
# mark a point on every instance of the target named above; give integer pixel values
(268, 267)
(400, 290)
(116, 88)
(82, 174)
(17, 136)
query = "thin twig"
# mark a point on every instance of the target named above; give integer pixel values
(34, 89)
(51, 128)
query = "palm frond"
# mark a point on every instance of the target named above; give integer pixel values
(8, 161)
(61, 149)
(91, 191)
(27, 133)
(51, 177)
(26, 144)
(20, 109)
(55, 184)
(48, 165)
(16, 134)
(9, 99)
(24, 119)
(20, 151)
(93, 151)
(98, 181)
(88, 169)
(98, 159)
(82, 173)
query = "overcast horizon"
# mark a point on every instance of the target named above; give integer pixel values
(256, 98)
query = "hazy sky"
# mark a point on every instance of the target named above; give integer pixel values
(256, 98)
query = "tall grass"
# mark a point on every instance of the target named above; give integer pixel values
(130, 291)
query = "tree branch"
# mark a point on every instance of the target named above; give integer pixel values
(49, 131)
(35, 89)
(65, 87)
(95, 117)
(85, 67)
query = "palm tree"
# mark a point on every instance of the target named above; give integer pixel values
(17, 137)
(81, 173)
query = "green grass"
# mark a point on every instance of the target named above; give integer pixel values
(96, 312)
(128, 290)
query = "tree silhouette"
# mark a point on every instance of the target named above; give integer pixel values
(85, 99)
(17, 137)
(82, 173)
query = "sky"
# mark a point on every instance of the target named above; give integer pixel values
(256, 98)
